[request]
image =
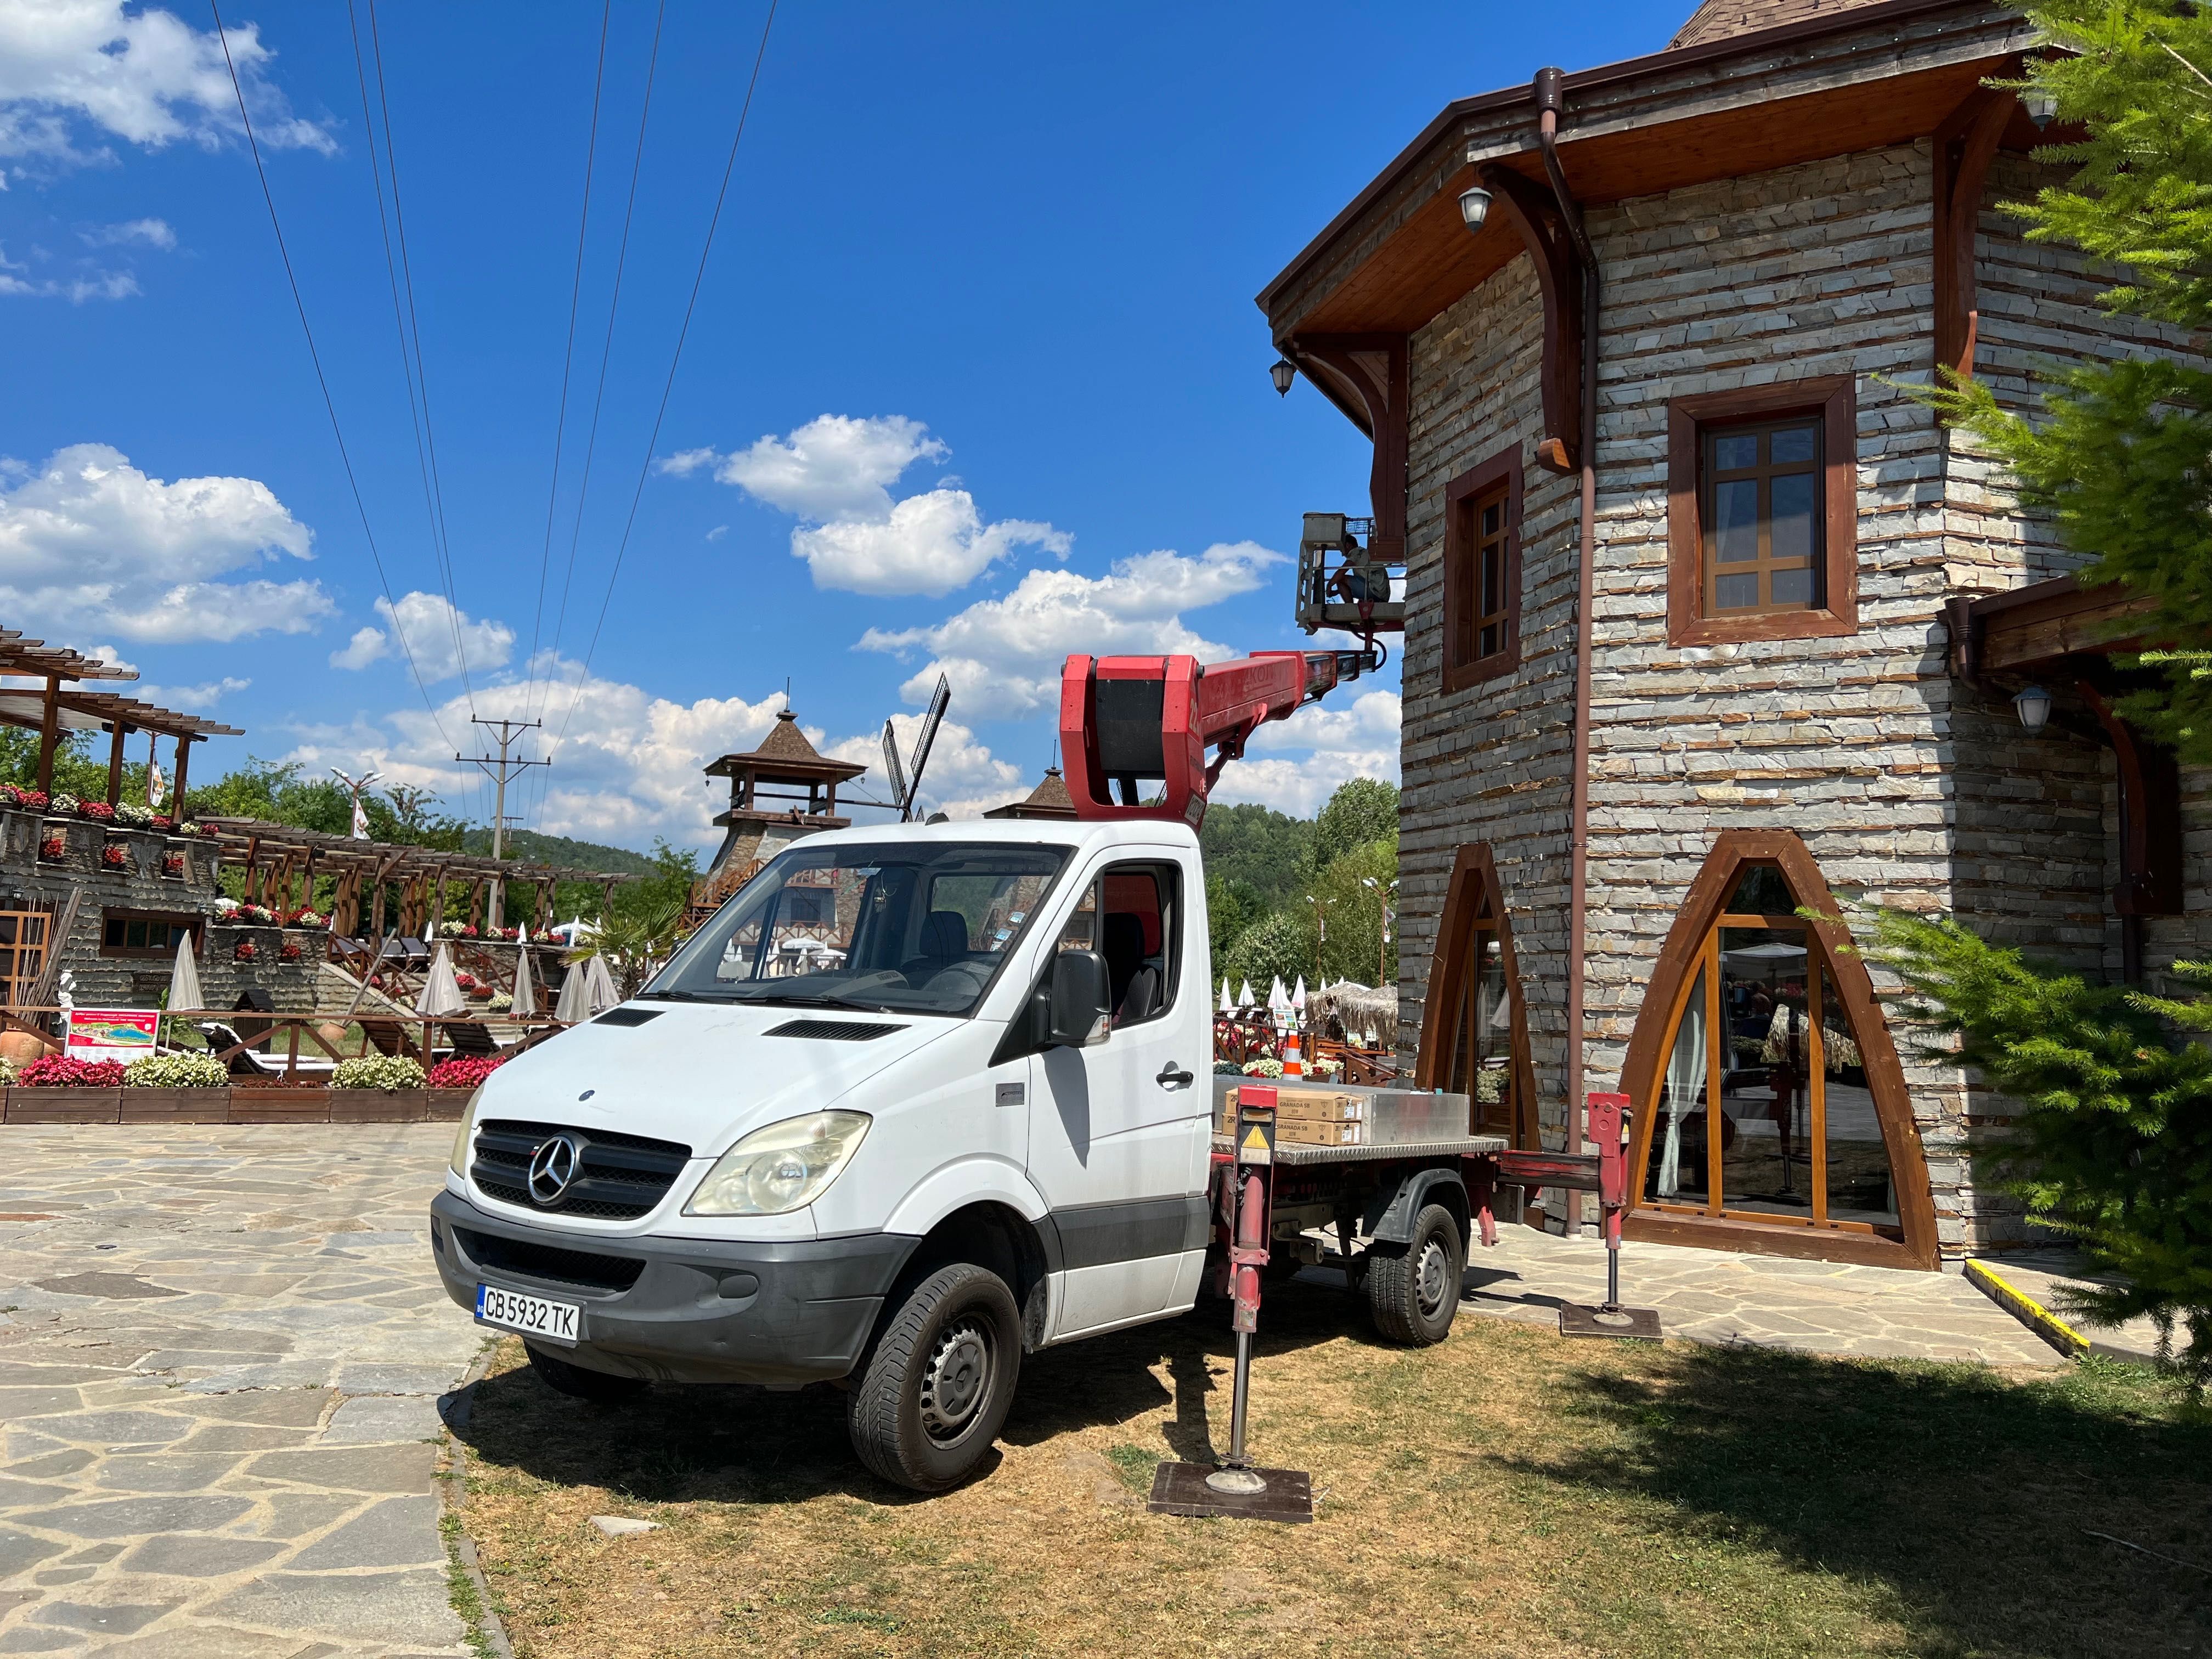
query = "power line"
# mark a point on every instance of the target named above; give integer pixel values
(606, 345)
(316, 357)
(441, 544)
(568, 354)
(669, 384)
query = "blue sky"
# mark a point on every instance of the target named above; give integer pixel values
(974, 377)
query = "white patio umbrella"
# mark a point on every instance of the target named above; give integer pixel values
(1244, 994)
(600, 992)
(1299, 996)
(575, 992)
(184, 978)
(1278, 998)
(441, 992)
(1226, 1005)
(526, 993)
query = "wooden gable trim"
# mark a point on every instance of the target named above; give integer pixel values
(1370, 371)
(1966, 144)
(1474, 874)
(1533, 211)
(1671, 982)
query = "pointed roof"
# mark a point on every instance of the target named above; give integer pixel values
(784, 756)
(1718, 20)
(1050, 799)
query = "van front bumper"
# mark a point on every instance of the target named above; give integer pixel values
(683, 1309)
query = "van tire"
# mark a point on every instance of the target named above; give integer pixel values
(1413, 1289)
(929, 1402)
(580, 1383)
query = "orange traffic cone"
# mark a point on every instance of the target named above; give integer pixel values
(1293, 1064)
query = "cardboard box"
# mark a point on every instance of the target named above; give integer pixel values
(1320, 1106)
(1293, 1132)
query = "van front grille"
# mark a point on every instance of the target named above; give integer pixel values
(549, 1262)
(618, 1177)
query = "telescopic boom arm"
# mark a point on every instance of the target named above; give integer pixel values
(1126, 722)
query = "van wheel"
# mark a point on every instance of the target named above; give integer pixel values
(935, 1392)
(579, 1382)
(1413, 1289)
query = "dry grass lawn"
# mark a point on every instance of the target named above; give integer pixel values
(1506, 1492)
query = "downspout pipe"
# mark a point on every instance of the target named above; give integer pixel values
(1547, 89)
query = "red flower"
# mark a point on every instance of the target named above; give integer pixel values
(51, 847)
(160, 823)
(34, 798)
(115, 857)
(60, 1071)
(246, 951)
(172, 864)
(467, 981)
(465, 1073)
(291, 950)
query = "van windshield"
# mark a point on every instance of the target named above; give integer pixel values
(921, 927)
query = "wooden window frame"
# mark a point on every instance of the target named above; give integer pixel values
(148, 953)
(1463, 579)
(1833, 397)
(1704, 909)
(1473, 882)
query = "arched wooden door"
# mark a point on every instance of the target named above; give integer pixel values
(1475, 1027)
(1771, 1111)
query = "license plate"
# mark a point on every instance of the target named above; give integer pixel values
(532, 1315)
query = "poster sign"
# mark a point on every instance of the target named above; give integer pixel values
(124, 1034)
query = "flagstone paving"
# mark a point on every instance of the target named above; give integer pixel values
(220, 1365)
(1769, 1302)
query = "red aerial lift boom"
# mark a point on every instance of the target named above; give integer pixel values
(1128, 721)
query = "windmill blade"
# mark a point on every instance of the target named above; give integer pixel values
(893, 772)
(938, 699)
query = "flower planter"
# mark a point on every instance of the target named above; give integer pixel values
(447, 1105)
(280, 1105)
(176, 1105)
(379, 1105)
(173, 867)
(64, 1106)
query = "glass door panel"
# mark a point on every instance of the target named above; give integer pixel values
(1857, 1179)
(1766, 1094)
(1491, 1037)
(1677, 1171)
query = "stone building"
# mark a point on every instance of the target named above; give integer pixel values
(779, 791)
(1773, 663)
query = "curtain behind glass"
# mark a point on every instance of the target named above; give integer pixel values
(1686, 1086)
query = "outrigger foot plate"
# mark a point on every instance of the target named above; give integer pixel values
(1284, 1495)
(1641, 1324)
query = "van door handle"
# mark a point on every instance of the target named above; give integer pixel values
(1174, 1077)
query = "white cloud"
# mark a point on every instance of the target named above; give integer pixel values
(154, 233)
(834, 475)
(1004, 655)
(189, 697)
(439, 639)
(1294, 765)
(88, 283)
(145, 76)
(718, 532)
(89, 541)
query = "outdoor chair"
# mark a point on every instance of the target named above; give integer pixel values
(256, 1063)
(471, 1038)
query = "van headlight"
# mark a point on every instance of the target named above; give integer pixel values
(783, 1167)
(460, 1160)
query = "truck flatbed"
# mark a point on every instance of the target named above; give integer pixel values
(1294, 1154)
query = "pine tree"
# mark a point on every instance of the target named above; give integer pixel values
(2114, 1146)
(2119, 456)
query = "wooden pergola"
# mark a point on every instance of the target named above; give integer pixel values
(51, 710)
(281, 861)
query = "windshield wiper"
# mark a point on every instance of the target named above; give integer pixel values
(679, 996)
(787, 1000)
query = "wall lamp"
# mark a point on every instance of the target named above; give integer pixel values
(1282, 374)
(2033, 706)
(1474, 206)
(2040, 104)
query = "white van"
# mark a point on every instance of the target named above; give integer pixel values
(916, 1100)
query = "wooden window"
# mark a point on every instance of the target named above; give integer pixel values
(1771, 1111)
(22, 951)
(1482, 572)
(1762, 514)
(145, 933)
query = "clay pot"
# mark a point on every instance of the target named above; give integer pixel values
(21, 1047)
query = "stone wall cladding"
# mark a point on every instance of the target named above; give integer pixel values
(1908, 789)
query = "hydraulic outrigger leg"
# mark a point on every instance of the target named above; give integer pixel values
(1236, 1487)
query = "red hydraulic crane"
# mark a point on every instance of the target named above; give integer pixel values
(1126, 722)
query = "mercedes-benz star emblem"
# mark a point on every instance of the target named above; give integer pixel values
(553, 1166)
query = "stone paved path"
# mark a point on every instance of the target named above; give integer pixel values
(1718, 1296)
(220, 1367)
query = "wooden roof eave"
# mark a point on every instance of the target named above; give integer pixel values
(1888, 73)
(2041, 624)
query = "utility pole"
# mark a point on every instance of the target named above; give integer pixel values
(499, 771)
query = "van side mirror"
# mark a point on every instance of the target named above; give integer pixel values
(1080, 1010)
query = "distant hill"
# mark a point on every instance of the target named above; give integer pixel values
(1256, 847)
(559, 849)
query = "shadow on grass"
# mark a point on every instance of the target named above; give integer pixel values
(746, 1445)
(1972, 1497)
